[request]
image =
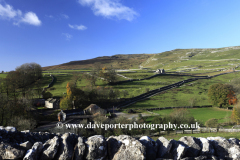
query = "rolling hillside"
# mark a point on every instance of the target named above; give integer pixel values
(197, 60)
(178, 60)
(117, 61)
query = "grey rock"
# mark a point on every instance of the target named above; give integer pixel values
(34, 153)
(151, 147)
(164, 148)
(207, 148)
(26, 145)
(202, 157)
(96, 147)
(66, 146)
(11, 152)
(79, 150)
(192, 144)
(221, 146)
(178, 150)
(234, 150)
(188, 158)
(10, 129)
(50, 149)
(125, 147)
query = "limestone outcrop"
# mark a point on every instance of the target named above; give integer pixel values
(49, 146)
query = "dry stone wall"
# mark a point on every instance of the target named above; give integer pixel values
(47, 146)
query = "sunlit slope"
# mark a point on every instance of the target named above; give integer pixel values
(123, 61)
(195, 59)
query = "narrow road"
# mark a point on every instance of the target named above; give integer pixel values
(162, 89)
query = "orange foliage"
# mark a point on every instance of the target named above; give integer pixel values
(69, 92)
(232, 99)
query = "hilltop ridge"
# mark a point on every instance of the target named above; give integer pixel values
(178, 60)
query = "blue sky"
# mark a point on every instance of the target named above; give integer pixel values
(51, 32)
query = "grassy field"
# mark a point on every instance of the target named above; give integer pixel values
(194, 59)
(139, 87)
(3, 75)
(183, 96)
(203, 114)
(205, 135)
(59, 87)
(137, 75)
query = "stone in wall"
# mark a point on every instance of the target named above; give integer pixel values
(164, 147)
(50, 149)
(34, 153)
(80, 149)
(11, 152)
(96, 147)
(207, 148)
(125, 147)
(151, 147)
(192, 145)
(66, 144)
(14, 145)
(178, 150)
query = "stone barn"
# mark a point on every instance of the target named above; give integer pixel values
(160, 71)
(93, 108)
(52, 103)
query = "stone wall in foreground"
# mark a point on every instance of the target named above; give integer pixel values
(68, 146)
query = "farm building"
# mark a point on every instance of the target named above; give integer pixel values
(52, 103)
(93, 108)
(39, 102)
(160, 71)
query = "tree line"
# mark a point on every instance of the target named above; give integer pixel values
(16, 95)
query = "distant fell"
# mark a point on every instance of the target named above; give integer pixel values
(197, 60)
(122, 61)
(178, 60)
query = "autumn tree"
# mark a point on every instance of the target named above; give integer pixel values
(193, 101)
(66, 102)
(236, 113)
(218, 94)
(232, 99)
(108, 74)
(91, 78)
(236, 86)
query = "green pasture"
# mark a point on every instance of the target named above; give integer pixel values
(66, 70)
(59, 87)
(183, 59)
(135, 88)
(203, 114)
(195, 91)
(205, 135)
(137, 75)
(3, 75)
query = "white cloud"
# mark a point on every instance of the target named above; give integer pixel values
(49, 16)
(7, 12)
(65, 16)
(78, 27)
(110, 9)
(31, 18)
(68, 36)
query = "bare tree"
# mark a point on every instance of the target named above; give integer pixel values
(192, 101)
